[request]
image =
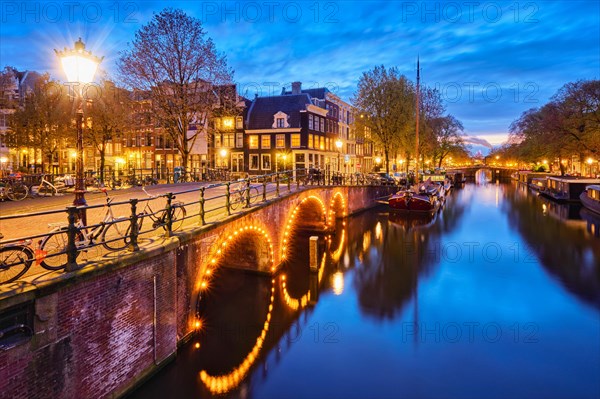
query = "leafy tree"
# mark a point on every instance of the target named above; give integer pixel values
(173, 59)
(385, 101)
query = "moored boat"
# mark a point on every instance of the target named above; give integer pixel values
(538, 183)
(590, 198)
(563, 189)
(426, 200)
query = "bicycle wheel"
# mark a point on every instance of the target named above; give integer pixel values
(55, 247)
(14, 262)
(17, 192)
(178, 217)
(45, 190)
(235, 201)
(254, 194)
(114, 237)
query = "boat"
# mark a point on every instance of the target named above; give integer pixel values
(538, 183)
(590, 198)
(426, 199)
(566, 189)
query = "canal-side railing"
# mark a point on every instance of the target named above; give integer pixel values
(61, 247)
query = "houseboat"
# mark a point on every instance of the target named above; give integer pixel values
(526, 176)
(590, 198)
(538, 183)
(567, 189)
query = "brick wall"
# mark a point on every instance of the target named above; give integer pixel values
(96, 335)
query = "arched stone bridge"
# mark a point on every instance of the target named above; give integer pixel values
(496, 172)
(258, 239)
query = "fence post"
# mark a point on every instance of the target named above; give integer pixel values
(227, 198)
(247, 192)
(277, 184)
(133, 226)
(169, 215)
(297, 180)
(202, 221)
(264, 193)
(71, 234)
(289, 182)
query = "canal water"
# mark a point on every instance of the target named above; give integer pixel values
(498, 296)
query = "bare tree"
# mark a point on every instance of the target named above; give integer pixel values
(108, 114)
(44, 119)
(172, 57)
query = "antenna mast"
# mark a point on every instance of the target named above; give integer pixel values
(417, 127)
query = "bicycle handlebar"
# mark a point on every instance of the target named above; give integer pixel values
(148, 194)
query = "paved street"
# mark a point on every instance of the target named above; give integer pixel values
(31, 225)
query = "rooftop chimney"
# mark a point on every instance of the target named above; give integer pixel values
(296, 87)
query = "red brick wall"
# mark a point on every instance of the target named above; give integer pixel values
(95, 336)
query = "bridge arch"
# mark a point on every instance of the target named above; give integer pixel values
(309, 213)
(337, 207)
(248, 243)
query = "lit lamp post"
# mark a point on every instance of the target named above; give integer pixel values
(223, 153)
(80, 66)
(339, 144)
(378, 162)
(590, 161)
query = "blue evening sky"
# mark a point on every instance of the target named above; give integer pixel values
(490, 60)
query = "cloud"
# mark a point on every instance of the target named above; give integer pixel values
(477, 141)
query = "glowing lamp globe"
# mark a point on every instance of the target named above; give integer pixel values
(78, 63)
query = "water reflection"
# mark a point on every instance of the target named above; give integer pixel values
(374, 317)
(559, 238)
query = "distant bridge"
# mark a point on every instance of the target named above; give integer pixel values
(494, 172)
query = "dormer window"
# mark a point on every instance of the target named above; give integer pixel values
(280, 120)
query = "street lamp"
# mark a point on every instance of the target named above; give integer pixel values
(80, 67)
(223, 153)
(590, 161)
(339, 144)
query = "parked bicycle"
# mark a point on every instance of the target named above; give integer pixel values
(46, 188)
(238, 193)
(15, 259)
(111, 233)
(159, 218)
(14, 190)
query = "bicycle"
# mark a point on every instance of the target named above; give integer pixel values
(46, 188)
(14, 190)
(15, 260)
(238, 192)
(110, 232)
(159, 219)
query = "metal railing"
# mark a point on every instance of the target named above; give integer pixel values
(206, 204)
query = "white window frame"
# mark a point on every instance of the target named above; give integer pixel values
(262, 161)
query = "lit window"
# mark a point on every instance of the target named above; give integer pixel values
(254, 161)
(265, 141)
(295, 140)
(239, 123)
(280, 141)
(228, 140)
(310, 141)
(227, 123)
(253, 141)
(322, 143)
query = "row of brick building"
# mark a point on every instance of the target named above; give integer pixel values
(299, 128)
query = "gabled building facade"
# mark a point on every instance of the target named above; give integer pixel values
(287, 132)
